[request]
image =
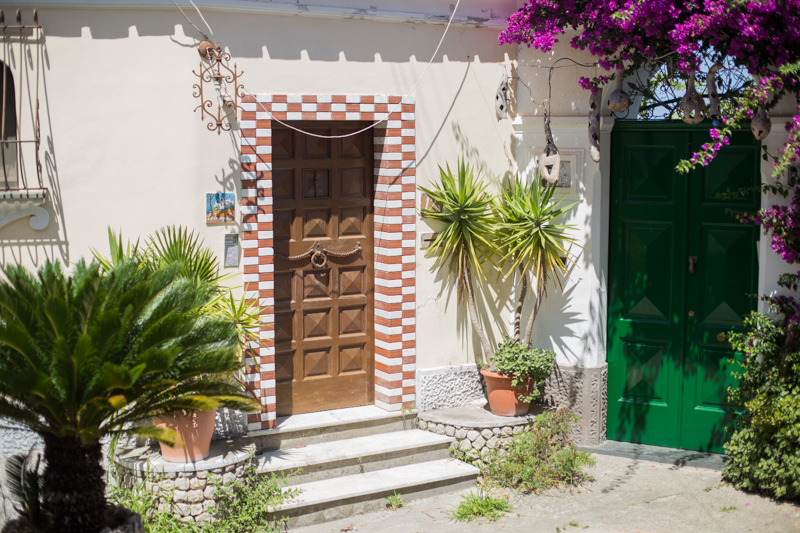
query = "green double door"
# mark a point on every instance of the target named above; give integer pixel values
(681, 272)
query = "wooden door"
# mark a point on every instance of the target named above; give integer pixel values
(323, 243)
(681, 268)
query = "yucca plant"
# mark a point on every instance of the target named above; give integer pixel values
(533, 242)
(463, 204)
(84, 355)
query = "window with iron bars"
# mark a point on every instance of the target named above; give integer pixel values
(22, 191)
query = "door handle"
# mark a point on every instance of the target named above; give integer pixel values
(692, 263)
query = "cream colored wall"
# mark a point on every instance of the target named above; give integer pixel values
(124, 148)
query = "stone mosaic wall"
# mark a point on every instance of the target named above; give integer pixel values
(438, 388)
(584, 391)
(191, 494)
(475, 443)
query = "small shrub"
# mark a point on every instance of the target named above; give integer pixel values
(764, 449)
(480, 505)
(244, 504)
(394, 501)
(519, 361)
(542, 458)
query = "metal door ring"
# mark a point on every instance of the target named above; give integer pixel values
(319, 259)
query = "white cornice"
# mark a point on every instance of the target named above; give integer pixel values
(280, 8)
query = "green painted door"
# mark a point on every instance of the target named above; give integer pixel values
(680, 272)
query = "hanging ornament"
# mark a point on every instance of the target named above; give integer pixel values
(501, 98)
(760, 124)
(619, 100)
(594, 126)
(713, 95)
(549, 161)
(692, 104)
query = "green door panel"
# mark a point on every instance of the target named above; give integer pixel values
(646, 244)
(669, 366)
(719, 290)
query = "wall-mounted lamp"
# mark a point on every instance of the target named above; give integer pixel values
(214, 70)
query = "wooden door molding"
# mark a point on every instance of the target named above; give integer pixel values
(393, 206)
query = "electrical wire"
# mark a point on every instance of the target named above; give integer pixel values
(374, 124)
(201, 32)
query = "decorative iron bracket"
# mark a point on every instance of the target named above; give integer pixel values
(215, 75)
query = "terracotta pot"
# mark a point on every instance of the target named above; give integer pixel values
(195, 428)
(503, 398)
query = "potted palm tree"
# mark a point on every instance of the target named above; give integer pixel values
(463, 205)
(535, 247)
(518, 232)
(86, 354)
(173, 245)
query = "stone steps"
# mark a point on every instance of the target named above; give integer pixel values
(351, 459)
(314, 428)
(355, 456)
(335, 498)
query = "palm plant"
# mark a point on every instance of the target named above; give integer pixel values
(532, 242)
(83, 356)
(462, 203)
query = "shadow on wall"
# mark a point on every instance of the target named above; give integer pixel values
(19, 243)
(274, 36)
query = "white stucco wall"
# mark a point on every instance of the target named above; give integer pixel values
(122, 147)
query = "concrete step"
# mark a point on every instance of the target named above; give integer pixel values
(324, 426)
(335, 498)
(355, 456)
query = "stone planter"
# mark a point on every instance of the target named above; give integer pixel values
(190, 486)
(475, 430)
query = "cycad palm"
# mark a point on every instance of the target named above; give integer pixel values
(83, 355)
(532, 242)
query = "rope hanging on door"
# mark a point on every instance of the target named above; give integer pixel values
(319, 254)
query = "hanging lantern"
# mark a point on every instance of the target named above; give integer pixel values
(549, 161)
(619, 100)
(692, 104)
(501, 98)
(594, 126)
(761, 124)
(713, 93)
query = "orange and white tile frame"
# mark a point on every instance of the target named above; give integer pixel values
(395, 236)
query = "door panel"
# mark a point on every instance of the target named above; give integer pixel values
(324, 331)
(668, 368)
(646, 242)
(719, 290)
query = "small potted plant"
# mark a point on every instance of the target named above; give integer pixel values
(170, 246)
(513, 376)
(536, 248)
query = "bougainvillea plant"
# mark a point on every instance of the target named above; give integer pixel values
(762, 36)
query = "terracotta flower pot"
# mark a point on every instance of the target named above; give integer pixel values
(503, 398)
(195, 428)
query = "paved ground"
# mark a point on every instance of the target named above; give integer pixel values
(627, 494)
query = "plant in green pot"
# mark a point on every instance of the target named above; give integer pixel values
(535, 248)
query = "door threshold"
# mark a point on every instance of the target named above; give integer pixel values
(335, 417)
(660, 454)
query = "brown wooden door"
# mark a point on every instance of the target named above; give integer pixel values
(324, 328)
